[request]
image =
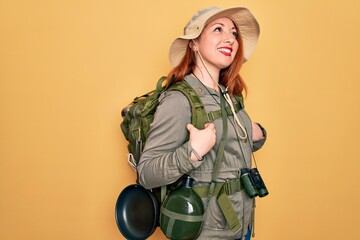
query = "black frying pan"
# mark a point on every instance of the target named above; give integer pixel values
(136, 212)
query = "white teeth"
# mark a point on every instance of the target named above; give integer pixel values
(224, 50)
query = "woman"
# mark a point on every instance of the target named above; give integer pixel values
(208, 57)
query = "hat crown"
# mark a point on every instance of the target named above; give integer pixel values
(192, 29)
(199, 19)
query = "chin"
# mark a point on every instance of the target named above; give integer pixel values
(222, 66)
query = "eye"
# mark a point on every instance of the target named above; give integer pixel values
(218, 29)
(235, 34)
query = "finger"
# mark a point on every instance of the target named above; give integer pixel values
(210, 126)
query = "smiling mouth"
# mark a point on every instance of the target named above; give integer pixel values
(225, 51)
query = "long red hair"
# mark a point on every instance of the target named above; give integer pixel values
(229, 77)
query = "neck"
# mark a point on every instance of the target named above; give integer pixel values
(209, 79)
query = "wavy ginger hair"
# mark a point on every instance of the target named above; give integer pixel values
(229, 77)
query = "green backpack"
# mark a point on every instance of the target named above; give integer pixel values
(139, 114)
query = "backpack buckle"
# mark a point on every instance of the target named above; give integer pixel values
(210, 116)
(232, 186)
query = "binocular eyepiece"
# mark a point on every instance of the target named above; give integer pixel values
(253, 183)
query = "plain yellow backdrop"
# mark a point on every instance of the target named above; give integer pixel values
(68, 67)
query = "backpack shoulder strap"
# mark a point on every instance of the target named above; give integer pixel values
(198, 113)
(239, 102)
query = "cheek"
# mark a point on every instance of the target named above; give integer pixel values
(211, 43)
(209, 46)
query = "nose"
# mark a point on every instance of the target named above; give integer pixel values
(229, 38)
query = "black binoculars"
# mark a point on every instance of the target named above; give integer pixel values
(253, 183)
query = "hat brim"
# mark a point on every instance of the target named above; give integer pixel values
(242, 17)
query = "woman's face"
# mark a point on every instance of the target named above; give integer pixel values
(218, 43)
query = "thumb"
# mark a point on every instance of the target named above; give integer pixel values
(190, 127)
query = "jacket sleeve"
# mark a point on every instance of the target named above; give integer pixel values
(258, 144)
(166, 155)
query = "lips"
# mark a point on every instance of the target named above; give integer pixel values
(225, 50)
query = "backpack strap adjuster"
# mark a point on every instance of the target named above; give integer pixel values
(212, 116)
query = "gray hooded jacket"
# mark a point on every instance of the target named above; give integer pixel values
(166, 156)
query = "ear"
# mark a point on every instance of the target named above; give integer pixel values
(193, 46)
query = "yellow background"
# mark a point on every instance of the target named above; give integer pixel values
(68, 67)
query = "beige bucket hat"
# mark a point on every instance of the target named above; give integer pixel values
(242, 17)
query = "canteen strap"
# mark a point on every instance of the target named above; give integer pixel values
(222, 190)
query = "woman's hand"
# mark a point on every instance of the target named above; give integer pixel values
(257, 133)
(201, 141)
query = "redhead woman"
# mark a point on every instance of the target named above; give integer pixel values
(208, 57)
